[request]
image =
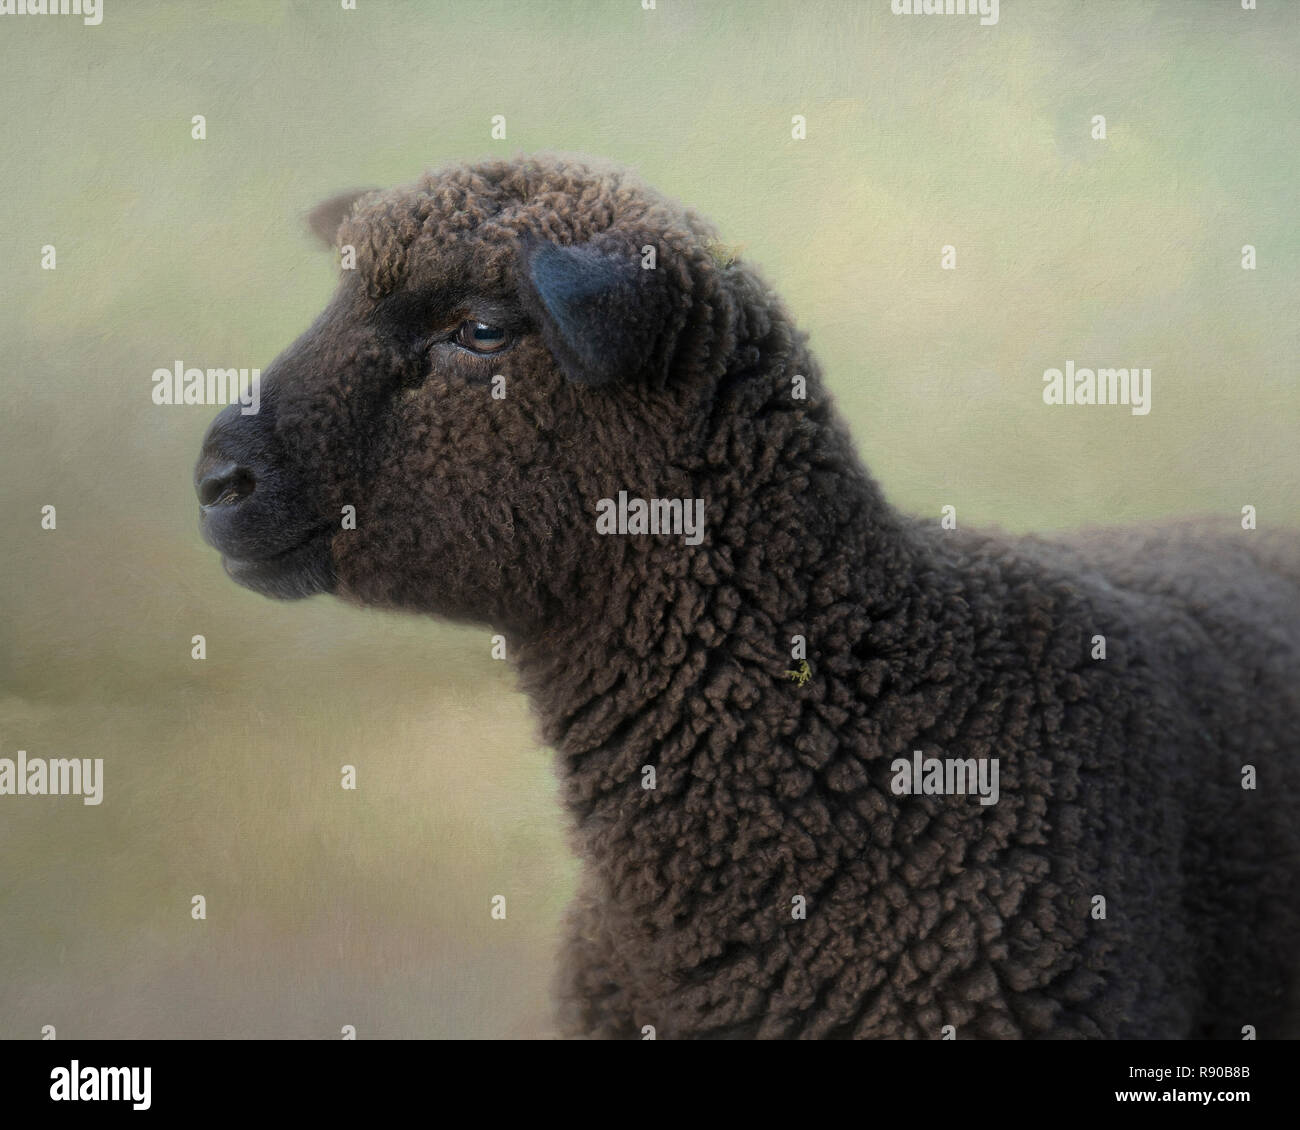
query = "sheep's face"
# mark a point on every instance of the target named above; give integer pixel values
(515, 342)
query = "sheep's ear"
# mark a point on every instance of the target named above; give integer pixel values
(599, 312)
(325, 218)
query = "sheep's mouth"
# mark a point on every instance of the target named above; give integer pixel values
(303, 569)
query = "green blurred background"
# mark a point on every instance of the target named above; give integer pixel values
(371, 907)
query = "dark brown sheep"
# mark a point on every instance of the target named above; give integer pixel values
(774, 882)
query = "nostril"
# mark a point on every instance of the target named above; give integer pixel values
(226, 485)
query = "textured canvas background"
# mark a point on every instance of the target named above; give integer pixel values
(371, 908)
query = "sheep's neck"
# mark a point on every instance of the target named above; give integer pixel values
(683, 710)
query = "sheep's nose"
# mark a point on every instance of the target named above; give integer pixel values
(224, 484)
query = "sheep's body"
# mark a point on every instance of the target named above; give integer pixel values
(1120, 777)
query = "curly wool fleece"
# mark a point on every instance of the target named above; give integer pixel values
(773, 882)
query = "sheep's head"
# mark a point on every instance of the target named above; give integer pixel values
(516, 341)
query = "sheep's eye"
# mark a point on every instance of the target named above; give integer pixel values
(479, 337)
